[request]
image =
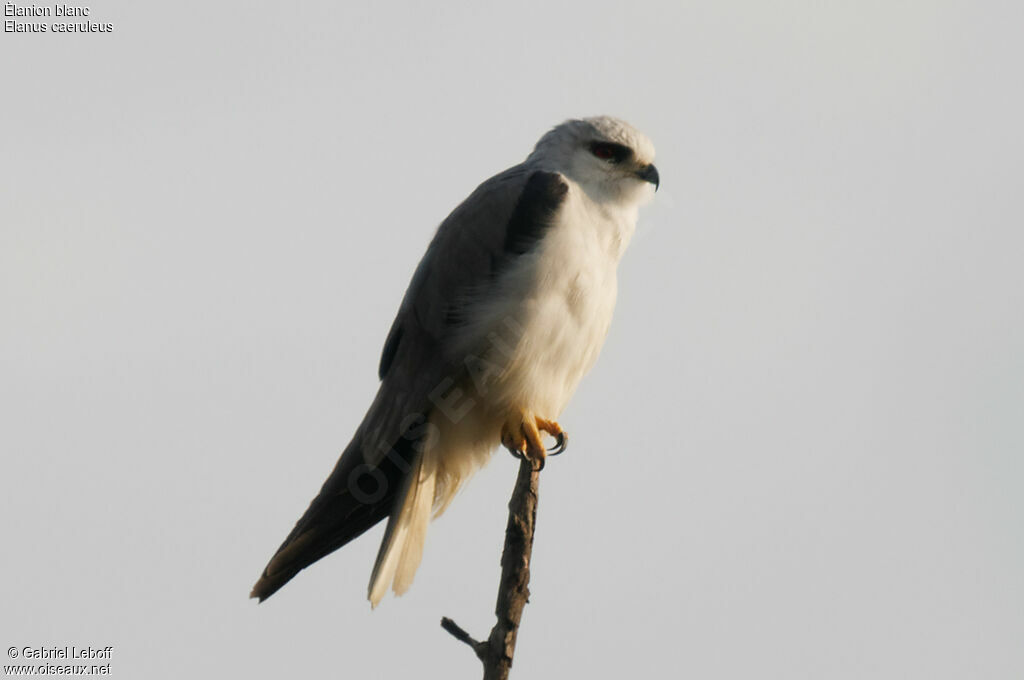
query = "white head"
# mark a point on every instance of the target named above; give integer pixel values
(609, 158)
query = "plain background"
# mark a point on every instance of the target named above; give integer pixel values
(798, 457)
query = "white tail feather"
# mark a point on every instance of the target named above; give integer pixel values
(419, 518)
(450, 456)
(402, 548)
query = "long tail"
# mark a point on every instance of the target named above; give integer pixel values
(402, 548)
(353, 499)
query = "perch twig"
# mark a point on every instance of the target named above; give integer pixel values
(513, 593)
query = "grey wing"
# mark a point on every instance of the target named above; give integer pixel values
(463, 255)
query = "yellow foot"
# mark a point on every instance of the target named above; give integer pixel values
(521, 436)
(556, 431)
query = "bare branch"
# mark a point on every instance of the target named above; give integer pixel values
(479, 648)
(513, 593)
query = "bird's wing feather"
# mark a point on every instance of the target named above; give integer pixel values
(497, 223)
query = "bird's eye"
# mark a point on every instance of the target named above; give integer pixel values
(609, 152)
(603, 151)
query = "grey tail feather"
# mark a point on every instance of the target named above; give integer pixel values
(352, 500)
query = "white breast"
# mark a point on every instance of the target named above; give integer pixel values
(529, 341)
(562, 297)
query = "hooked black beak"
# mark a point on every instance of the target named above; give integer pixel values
(650, 174)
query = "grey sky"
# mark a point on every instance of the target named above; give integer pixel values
(798, 457)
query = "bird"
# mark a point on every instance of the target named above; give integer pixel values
(504, 315)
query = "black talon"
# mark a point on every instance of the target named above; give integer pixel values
(561, 443)
(521, 455)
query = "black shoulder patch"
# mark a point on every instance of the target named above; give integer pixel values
(543, 193)
(390, 349)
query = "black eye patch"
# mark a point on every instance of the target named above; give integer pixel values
(611, 152)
